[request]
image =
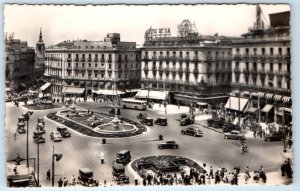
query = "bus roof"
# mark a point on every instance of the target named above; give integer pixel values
(133, 100)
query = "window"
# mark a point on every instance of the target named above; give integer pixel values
(69, 74)
(154, 64)
(76, 65)
(263, 65)
(279, 66)
(102, 75)
(96, 75)
(82, 65)
(69, 55)
(237, 50)
(90, 65)
(82, 74)
(146, 53)
(263, 51)
(7, 58)
(280, 51)
(96, 65)
(180, 54)
(90, 75)
(109, 66)
(254, 80)
(288, 51)
(237, 78)
(279, 82)
(254, 66)
(271, 67)
(174, 53)
(247, 65)
(174, 64)
(237, 64)
(254, 51)
(271, 51)
(69, 64)
(167, 64)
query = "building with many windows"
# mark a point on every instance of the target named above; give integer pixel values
(261, 70)
(186, 69)
(107, 68)
(19, 64)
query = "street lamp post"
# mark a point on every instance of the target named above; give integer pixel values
(38, 159)
(26, 117)
(58, 157)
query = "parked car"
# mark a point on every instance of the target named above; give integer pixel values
(147, 121)
(119, 176)
(123, 157)
(234, 134)
(21, 128)
(41, 128)
(115, 111)
(39, 139)
(161, 121)
(215, 122)
(56, 136)
(141, 115)
(22, 98)
(276, 136)
(168, 145)
(63, 131)
(227, 127)
(193, 131)
(187, 120)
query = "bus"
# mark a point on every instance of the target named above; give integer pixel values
(133, 104)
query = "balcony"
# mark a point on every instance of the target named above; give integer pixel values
(287, 56)
(209, 58)
(254, 72)
(101, 69)
(69, 68)
(246, 71)
(262, 72)
(82, 60)
(154, 58)
(154, 69)
(82, 68)
(146, 58)
(161, 58)
(69, 59)
(89, 60)
(237, 70)
(76, 60)
(146, 69)
(196, 59)
(180, 70)
(89, 68)
(109, 60)
(237, 56)
(167, 58)
(271, 73)
(196, 71)
(96, 60)
(102, 60)
(160, 69)
(209, 70)
(187, 59)
(174, 58)
(76, 68)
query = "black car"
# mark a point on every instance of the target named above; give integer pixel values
(193, 131)
(141, 115)
(161, 121)
(63, 131)
(147, 121)
(187, 120)
(276, 136)
(168, 145)
(115, 111)
(123, 157)
(215, 122)
(227, 127)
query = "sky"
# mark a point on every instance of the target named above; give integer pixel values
(69, 22)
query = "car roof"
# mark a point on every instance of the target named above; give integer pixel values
(235, 131)
(171, 141)
(123, 151)
(162, 118)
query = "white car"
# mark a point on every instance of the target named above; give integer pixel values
(55, 136)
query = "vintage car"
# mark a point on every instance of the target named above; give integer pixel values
(85, 177)
(168, 145)
(115, 111)
(234, 134)
(161, 121)
(41, 128)
(227, 127)
(193, 131)
(41, 120)
(63, 131)
(276, 136)
(39, 139)
(55, 136)
(189, 119)
(119, 176)
(123, 157)
(141, 115)
(147, 121)
(21, 128)
(215, 122)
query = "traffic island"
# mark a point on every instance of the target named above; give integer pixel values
(167, 165)
(97, 124)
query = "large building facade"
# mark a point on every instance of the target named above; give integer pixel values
(186, 69)
(110, 67)
(261, 67)
(19, 64)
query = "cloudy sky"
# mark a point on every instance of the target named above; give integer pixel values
(90, 22)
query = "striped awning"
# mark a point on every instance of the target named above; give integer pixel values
(286, 99)
(245, 93)
(251, 110)
(269, 96)
(261, 94)
(277, 97)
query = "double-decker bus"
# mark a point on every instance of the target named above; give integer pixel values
(133, 104)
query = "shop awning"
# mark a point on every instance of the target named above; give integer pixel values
(108, 92)
(45, 86)
(233, 103)
(277, 97)
(283, 110)
(261, 94)
(201, 104)
(151, 94)
(245, 93)
(73, 90)
(252, 110)
(286, 99)
(254, 94)
(267, 108)
(269, 96)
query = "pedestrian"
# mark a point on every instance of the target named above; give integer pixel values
(288, 168)
(178, 106)
(15, 134)
(247, 172)
(144, 181)
(48, 174)
(60, 182)
(211, 173)
(283, 168)
(73, 179)
(65, 181)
